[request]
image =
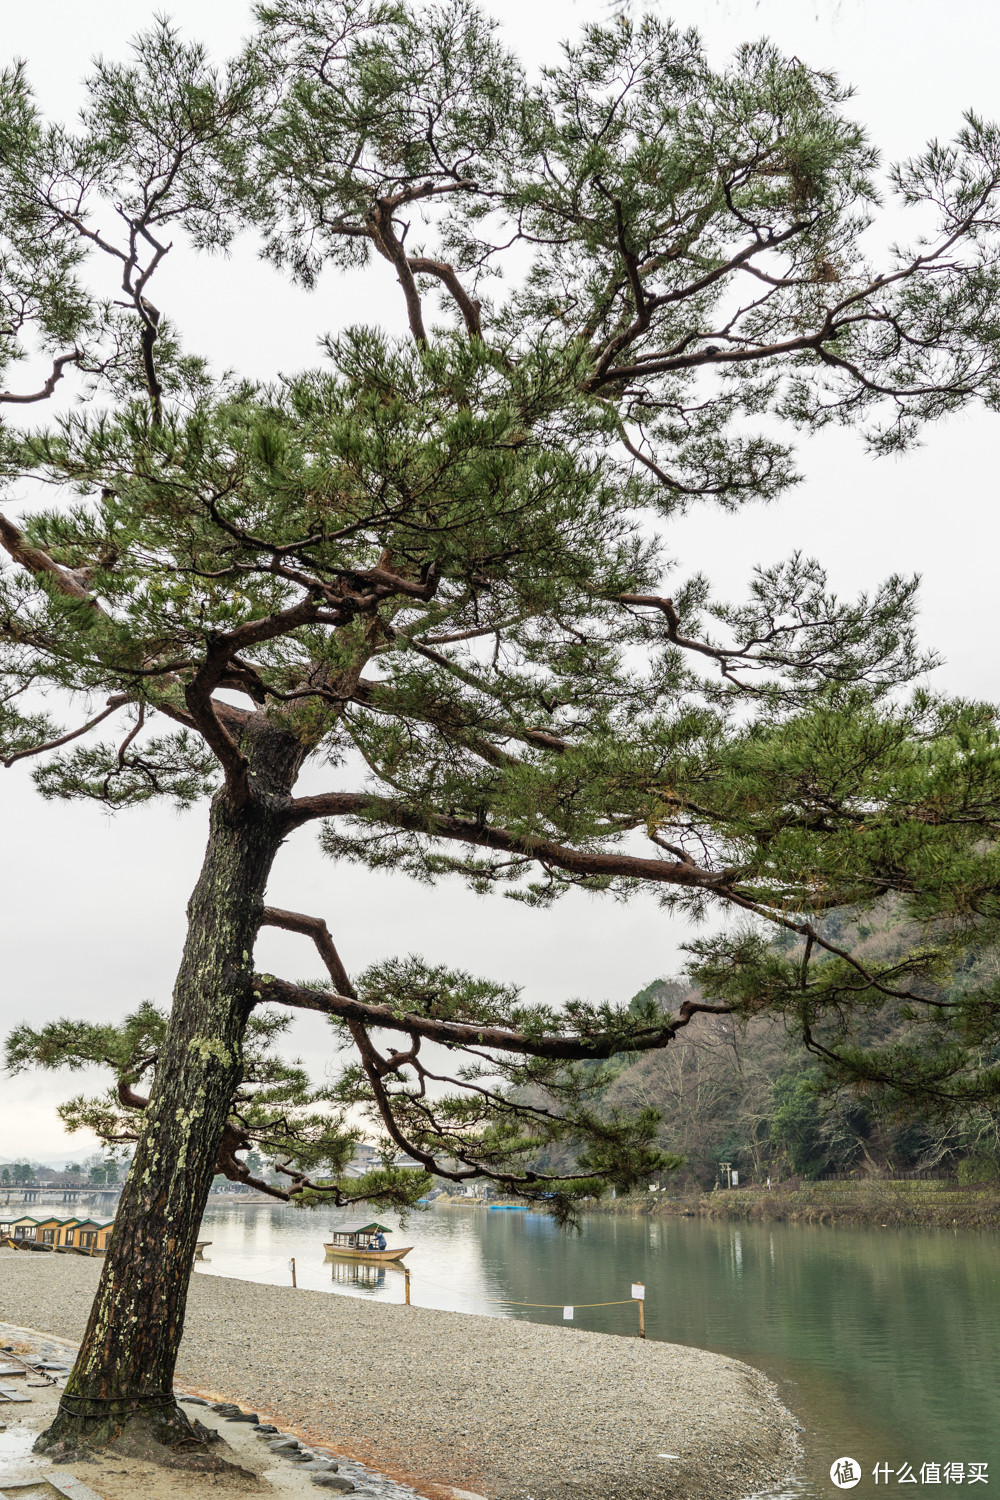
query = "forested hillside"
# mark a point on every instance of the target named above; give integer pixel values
(749, 1092)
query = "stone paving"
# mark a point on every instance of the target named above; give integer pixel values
(327, 1469)
(307, 1466)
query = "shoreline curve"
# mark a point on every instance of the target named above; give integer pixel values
(504, 1408)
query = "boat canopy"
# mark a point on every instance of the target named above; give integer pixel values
(371, 1228)
(17, 1227)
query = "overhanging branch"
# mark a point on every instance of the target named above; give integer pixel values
(557, 1048)
(593, 863)
(74, 734)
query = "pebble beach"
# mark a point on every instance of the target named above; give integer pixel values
(501, 1408)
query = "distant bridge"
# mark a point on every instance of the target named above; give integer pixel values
(36, 1193)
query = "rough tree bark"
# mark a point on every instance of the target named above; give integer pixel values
(120, 1392)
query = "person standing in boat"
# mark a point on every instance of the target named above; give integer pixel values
(378, 1243)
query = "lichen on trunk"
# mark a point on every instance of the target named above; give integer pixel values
(120, 1392)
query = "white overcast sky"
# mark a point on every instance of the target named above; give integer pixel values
(92, 908)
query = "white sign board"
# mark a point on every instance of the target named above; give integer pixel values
(568, 1313)
(638, 1290)
(736, 1178)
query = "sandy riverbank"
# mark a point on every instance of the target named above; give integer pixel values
(508, 1409)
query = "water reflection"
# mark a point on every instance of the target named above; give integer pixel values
(349, 1273)
(884, 1342)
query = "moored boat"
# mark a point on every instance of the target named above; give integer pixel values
(355, 1242)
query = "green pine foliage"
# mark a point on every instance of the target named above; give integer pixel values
(882, 811)
(276, 1114)
(436, 563)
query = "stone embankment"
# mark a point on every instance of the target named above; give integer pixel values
(448, 1401)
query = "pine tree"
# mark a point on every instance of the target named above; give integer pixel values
(435, 564)
(879, 823)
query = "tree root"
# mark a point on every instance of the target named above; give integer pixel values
(164, 1436)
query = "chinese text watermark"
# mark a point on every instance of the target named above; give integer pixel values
(847, 1472)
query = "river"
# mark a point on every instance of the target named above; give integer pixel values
(884, 1342)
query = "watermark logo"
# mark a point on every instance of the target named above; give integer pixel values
(939, 1473)
(845, 1473)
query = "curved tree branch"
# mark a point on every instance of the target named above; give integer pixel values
(581, 862)
(58, 367)
(316, 928)
(41, 564)
(558, 1048)
(74, 734)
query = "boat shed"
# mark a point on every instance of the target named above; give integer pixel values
(90, 1234)
(51, 1231)
(48, 1232)
(19, 1229)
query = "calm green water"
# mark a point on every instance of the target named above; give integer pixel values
(885, 1343)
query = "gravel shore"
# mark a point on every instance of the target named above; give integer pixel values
(508, 1409)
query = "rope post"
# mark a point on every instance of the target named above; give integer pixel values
(639, 1296)
(291, 1266)
(406, 1273)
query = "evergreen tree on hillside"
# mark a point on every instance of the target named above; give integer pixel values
(434, 564)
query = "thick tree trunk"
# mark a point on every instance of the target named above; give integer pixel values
(120, 1390)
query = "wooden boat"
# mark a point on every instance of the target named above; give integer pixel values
(351, 1242)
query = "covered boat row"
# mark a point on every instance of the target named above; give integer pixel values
(85, 1236)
